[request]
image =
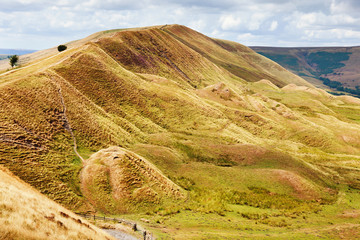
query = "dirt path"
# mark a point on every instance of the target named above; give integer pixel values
(119, 234)
(67, 125)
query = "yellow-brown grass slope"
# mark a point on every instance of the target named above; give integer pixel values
(236, 58)
(116, 180)
(27, 214)
(211, 115)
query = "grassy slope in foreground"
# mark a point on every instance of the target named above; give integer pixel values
(259, 153)
(27, 214)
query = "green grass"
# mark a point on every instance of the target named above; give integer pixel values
(85, 153)
(195, 155)
(349, 112)
(248, 222)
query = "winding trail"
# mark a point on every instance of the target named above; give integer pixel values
(119, 234)
(67, 125)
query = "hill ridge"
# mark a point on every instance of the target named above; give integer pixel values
(238, 135)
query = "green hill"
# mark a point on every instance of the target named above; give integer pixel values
(202, 137)
(326, 67)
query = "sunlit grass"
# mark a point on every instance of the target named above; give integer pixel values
(250, 159)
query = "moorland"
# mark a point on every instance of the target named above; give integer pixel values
(193, 137)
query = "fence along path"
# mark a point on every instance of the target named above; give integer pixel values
(135, 227)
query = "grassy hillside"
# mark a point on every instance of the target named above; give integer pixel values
(212, 140)
(339, 65)
(27, 214)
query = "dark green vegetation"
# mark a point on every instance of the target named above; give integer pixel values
(287, 61)
(61, 48)
(327, 62)
(216, 140)
(13, 60)
(336, 68)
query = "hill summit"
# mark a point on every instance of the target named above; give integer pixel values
(189, 132)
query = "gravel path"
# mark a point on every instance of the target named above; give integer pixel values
(119, 234)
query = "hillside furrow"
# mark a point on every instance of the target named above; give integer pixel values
(66, 123)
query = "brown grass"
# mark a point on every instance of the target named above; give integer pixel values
(235, 58)
(114, 177)
(187, 104)
(27, 214)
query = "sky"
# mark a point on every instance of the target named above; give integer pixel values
(41, 24)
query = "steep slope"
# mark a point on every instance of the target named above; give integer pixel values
(227, 128)
(336, 67)
(236, 58)
(27, 214)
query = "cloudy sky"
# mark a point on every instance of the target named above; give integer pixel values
(41, 24)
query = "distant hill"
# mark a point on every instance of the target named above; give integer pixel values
(4, 51)
(3, 56)
(334, 67)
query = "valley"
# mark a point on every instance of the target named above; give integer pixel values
(333, 68)
(192, 137)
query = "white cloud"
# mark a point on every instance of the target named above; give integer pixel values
(333, 34)
(197, 24)
(303, 22)
(246, 37)
(273, 26)
(318, 20)
(217, 34)
(256, 20)
(229, 22)
(248, 21)
(345, 7)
